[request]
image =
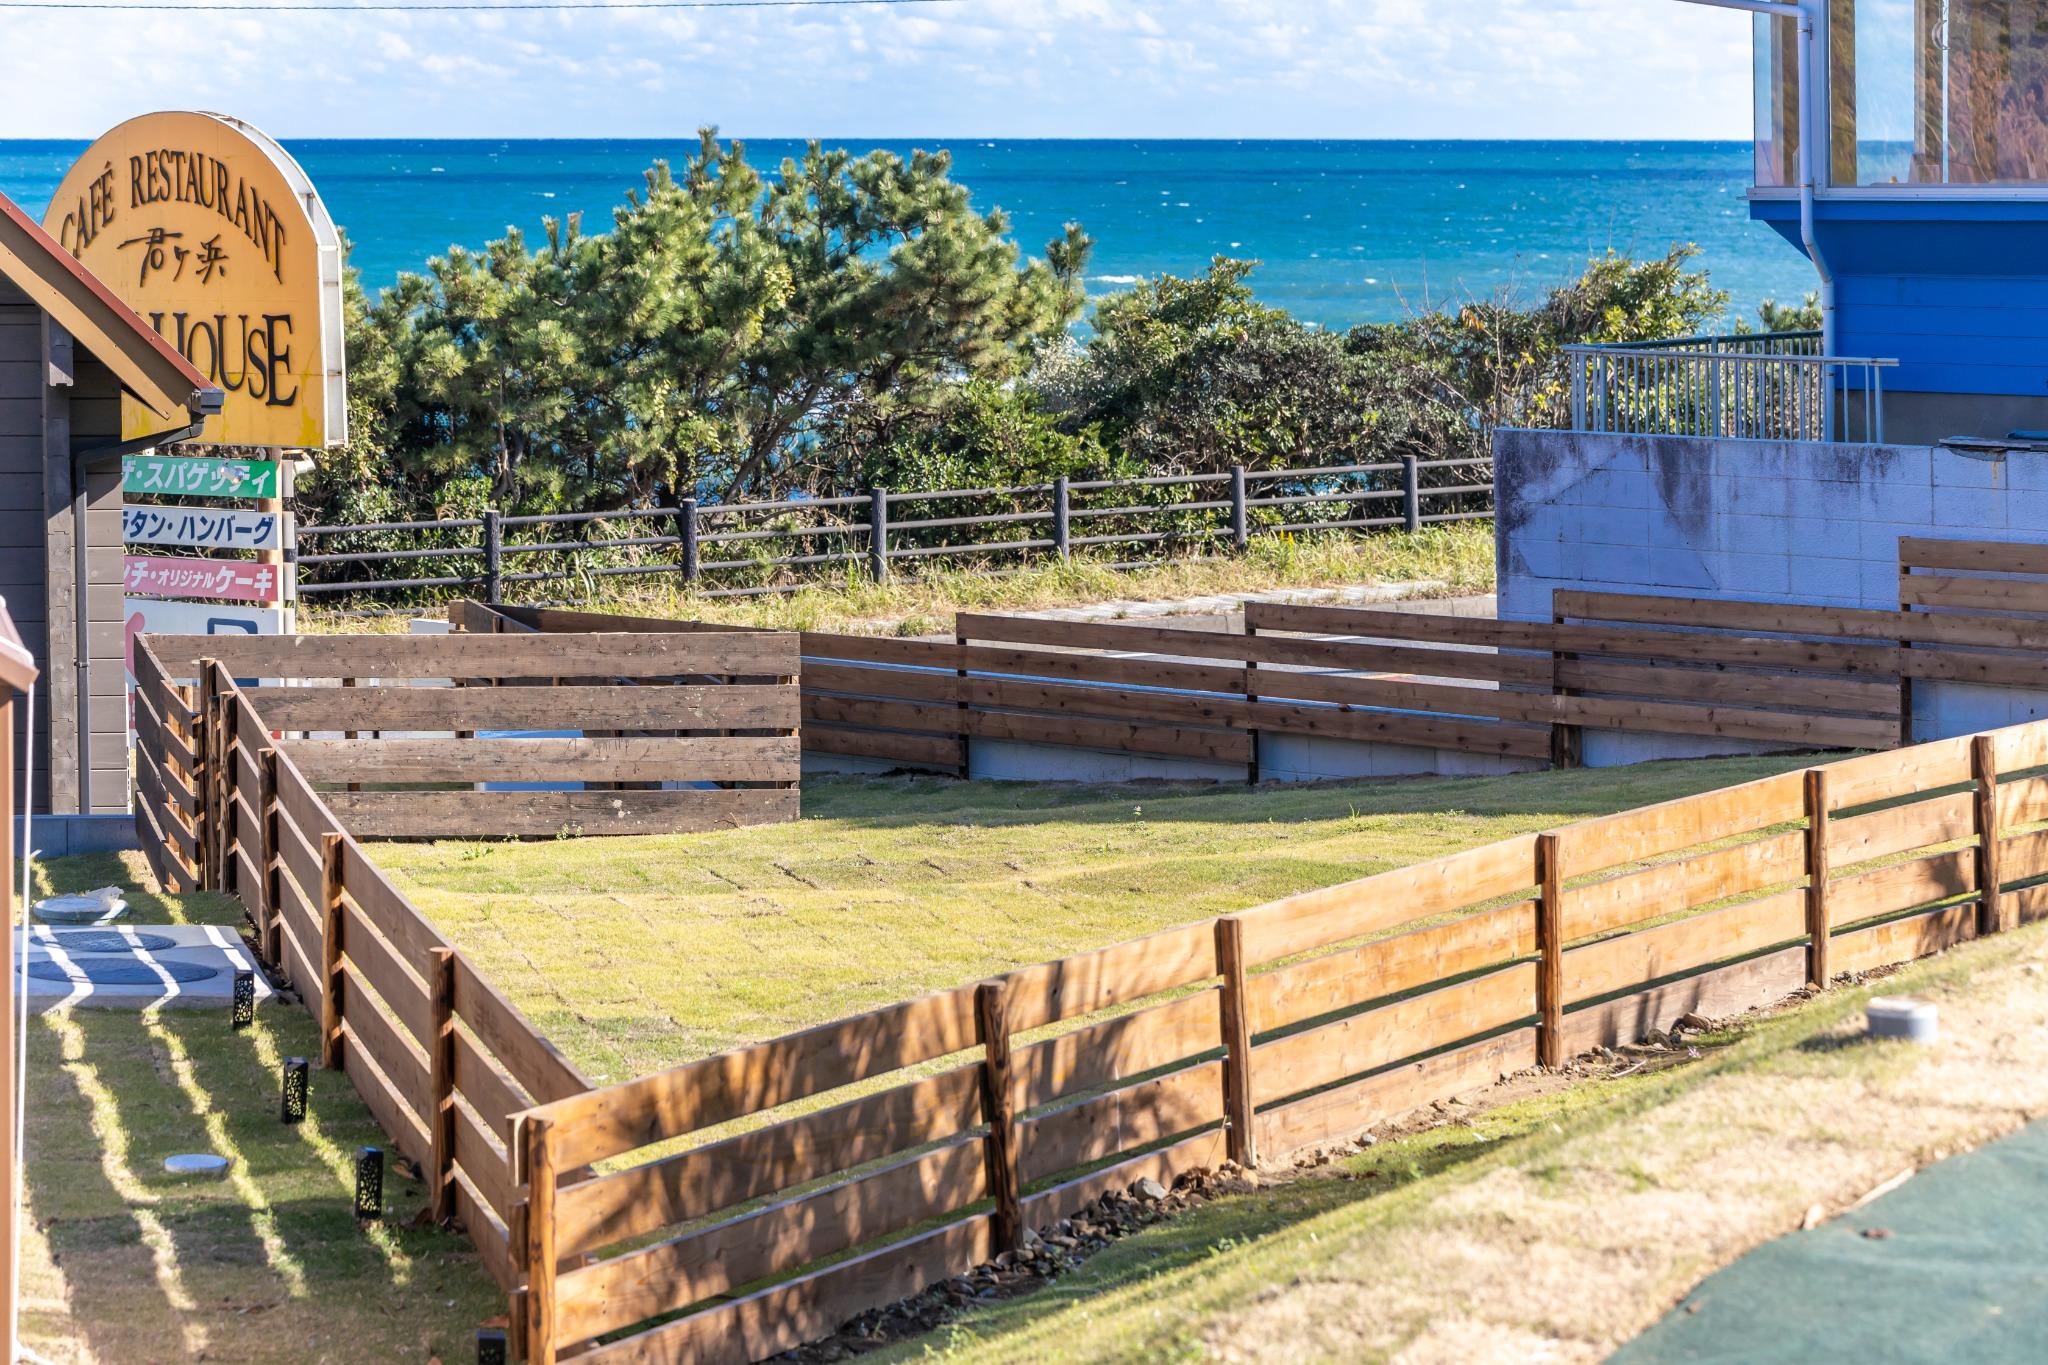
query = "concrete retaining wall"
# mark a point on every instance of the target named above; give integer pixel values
(1757, 520)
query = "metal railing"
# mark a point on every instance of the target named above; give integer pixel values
(737, 549)
(1770, 386)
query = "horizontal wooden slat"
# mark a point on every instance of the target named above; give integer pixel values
(1106, 1125)
(1706, 683)
(1440, 698)
(1167, 641)
(1399, 727)
(928, 750)
(730, 1085)
(700, 1182)
(300, 920)
(487, 1233)
(1390, 966)
(387, 909)
(1366, 1042)
(2023, 856)
(1638, 958)
(2022, 801)
(539, 1067)
(1120, 670)
(1633, 835)
(484, 1084)
(1956, 592)
(401, 1060)
(1683, 883)
(673, 707)
(557, 619)
(1316, 919)
(248, 880)
(877, 649)
(1170, 741)
(1859, 623)
(1879, 777)
(167, 820)
(483, 1157)
(717, 758)
(301, 959)
(1717, 994)
(1984, 556)
(1387, 1095)
(545, 814)
(2020, 747)
(644, 655)
(642, 1284)
(1902, 940)
(1899, 829)
(394, 1113)
(300, 803)
(853, 680)
(1116, 975)
(882, 713)
(1203, 1151)
(1901, 886)
(773, 1320)
(1081, 700)
(372, 958)
(1768, 727)
(1115, 1050)
(299, 859)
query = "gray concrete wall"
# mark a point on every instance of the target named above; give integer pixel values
(1756, 520)
(1282, 758)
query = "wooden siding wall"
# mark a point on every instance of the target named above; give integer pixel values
(1248, 1037)
(22, 387)
(718, 711)
(95, 408)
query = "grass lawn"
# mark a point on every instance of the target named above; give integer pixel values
(634, 954)
(1457, 555)
(1557, 1227)
(122, 1263)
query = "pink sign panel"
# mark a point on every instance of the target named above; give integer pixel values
(226, 580)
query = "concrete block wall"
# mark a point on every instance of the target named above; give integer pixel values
(1756, 520)
(1282, 758)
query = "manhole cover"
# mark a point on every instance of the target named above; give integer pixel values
(102, 971)
(203, 1164)
(104, 941)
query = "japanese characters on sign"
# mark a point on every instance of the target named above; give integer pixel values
(213, 233)
(215, 528)
(229, 580)
(189, 477)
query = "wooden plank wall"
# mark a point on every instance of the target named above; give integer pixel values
(388, 727)
(985, 1110)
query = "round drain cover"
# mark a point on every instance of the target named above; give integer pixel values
(102, 971)
(93, 908)
(104, 941)
(197, 1164)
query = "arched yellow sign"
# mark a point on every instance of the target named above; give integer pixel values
(214, 234)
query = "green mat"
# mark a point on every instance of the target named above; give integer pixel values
(1962, 1276)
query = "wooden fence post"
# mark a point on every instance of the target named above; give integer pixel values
(266, 835)
(204, 741)
(998, 1107)
(330, 951)
(441, 1083)
(1550, 943)
(1819, 922)
(540, 1243)
(1237, 1043)
(1990, 903)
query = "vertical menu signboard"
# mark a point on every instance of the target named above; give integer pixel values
(225, 505)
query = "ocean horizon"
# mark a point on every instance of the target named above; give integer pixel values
(1346, 231)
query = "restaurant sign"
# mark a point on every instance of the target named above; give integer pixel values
(212, 233)
(212, 528)
(188, 476)
(226, 580)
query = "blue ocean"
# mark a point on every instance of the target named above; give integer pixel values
(1346, 232)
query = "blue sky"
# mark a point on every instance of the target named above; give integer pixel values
(993, 68)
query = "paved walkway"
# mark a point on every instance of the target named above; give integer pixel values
(1951, 1266)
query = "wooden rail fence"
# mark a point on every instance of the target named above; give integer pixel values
(1744, 672)
(952, 1122)
(407, 757)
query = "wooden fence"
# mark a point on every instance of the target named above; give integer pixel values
(640, 710)
(438, 1055)
(1748, 672)
(1248, 1036)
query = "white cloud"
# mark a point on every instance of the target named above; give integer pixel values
(1008, 68)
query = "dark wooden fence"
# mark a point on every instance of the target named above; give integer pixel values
(728, 549)
(716, 711)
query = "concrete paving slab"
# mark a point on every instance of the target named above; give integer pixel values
(153, 956)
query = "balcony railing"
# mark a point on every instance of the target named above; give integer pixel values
(1769, 386)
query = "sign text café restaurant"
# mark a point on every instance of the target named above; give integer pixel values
(170, 346)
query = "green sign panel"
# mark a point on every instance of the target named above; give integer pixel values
(189, 477)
